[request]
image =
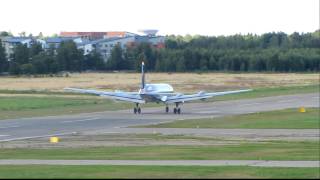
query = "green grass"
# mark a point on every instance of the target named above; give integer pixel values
(272, 150)
(43, 92)
(16, 107)
(280, 119)
(25, 103)
(266, 92)
(54, 104)
(257, 92)
(51, 171)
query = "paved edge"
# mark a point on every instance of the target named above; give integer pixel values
(256, 163)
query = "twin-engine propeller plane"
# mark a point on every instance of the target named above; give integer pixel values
(155, 93)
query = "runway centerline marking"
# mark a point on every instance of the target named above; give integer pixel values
(32, 137)
(207, 112)
(7, 127)
(250, 104)
(285, 101)
(81, 120)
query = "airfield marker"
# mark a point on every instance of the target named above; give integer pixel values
(54, 139)
(302, 110)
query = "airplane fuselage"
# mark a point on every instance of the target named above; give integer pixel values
(154, 92)
(158, 88)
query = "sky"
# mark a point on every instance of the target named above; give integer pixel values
(179, 17)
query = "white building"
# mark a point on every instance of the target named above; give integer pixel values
(105, 46)
(102, 46)
(9, 43)
(86, 47)
(55, 42)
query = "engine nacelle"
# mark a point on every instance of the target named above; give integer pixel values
(164, 98)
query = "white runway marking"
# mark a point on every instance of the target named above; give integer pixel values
(250, 104)
(32, 137)
(261, 163)
(285, 101)
(9, 127)
(82, 120)
(206, 112)
(4, 135)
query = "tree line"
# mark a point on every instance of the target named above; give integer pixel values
(249, 53)
(274, 52)
(36, 60)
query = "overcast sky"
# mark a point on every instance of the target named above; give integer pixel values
(205, 17)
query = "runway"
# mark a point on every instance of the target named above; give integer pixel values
(117, 121)
(256, 163)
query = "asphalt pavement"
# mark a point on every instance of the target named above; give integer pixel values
(117, 121)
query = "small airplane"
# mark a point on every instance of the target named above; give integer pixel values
(154, 93)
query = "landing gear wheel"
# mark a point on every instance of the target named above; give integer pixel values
(167, 109)
(175, 110)
(137, 109)
(178, 111)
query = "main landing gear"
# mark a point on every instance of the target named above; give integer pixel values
(177, 110)
(137, 109)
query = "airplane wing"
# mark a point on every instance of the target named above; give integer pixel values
(199, 96)
(123, 96)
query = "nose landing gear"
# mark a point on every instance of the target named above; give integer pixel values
(167, 109)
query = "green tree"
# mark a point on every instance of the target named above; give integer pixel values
(94, 61)
(40, 66)
(5, 33)
(181, 65)
(69, 57)
(14, 68)
(203, 64)
(3, 59)
(213, 64)
(21, 54)
(35, 49)
(116, 60)
(27, 69)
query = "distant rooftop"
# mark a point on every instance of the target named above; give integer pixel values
(97, 35)
(58, 39)
(106, 40)
(15, 39)
(149, 32)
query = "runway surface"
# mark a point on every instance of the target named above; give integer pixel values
(260, 163)
(116, 121)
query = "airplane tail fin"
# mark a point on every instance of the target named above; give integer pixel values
(142, 76)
